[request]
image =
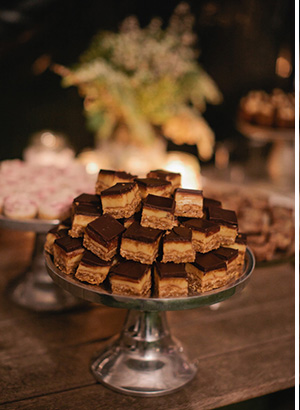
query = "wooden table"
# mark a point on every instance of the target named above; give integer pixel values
(244, 349)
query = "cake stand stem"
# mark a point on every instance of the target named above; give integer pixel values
(35, 290)
(144, 360)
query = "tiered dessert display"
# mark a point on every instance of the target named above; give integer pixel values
(30, 201)
(148, 245)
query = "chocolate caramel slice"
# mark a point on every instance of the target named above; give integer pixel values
(240, 244)
(228, 223)
(83, 214)
(101, 236)
(170, 280)
(131, 278)
(178, 246)
(107, 178)
(230, 256)
(140, 243)
(121, 200)
(52, 235)
(205, 234)
(67, 253)
(173, 177)
(92, 269)
(189, 202)
(154, 186)
(87, 199)
(158, 212)
(208, 272)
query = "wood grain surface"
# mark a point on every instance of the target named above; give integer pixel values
(243, 349)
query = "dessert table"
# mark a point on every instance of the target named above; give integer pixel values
(243, 349)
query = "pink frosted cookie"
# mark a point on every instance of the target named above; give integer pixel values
(55, 207)
(19, 206)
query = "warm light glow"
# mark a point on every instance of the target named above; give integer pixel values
(283, 63)
(92, 168)
(48, 139)
(188, 166)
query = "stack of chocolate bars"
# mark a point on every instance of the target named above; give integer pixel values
(148, 237)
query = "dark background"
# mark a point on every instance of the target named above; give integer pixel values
(239, 43)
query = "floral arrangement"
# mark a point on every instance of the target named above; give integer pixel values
(141, 82)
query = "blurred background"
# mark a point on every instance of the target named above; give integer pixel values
(239, 42)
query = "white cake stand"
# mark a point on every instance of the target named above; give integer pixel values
(145, 360)
(34, 289)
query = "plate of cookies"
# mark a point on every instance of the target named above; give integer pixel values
(148, 244)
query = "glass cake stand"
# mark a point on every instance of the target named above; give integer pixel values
(144, 360)
(34, 289)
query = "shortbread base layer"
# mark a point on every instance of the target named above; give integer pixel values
(121, 286)
(139, 251)
(189, 211)
(170, 287)
(69, 262)
(166, 222)
(92, 274)
(203, 243)
(203, 282)
(101, 251)
(178, 252)
(227, 235)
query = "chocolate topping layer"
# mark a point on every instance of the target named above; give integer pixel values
(162, 173)
(142, 234)
(170, 270)
(66, 222)
(223, 216)
(241, 238)
(227, 254)
(208, 261)
(69, 244)
(118, 189)
(160, 202)
(59, 232)
(105, 228)
(189, 191)
(211, 202)
(87, 199)
(130, 270)
(120, 174)
(152, 182)
(202, 225)
(87, 209)
(179, 234)
(90, 259)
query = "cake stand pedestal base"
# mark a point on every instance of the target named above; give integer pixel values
(36, 291)
(145, 360)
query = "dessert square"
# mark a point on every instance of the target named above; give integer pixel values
(131, 278)
(228, 223)
(170, 280)
(121, 200)
(83, 214)
(240, 244)
(173, 177)
(158, 212)
(87, 199)
(67, 253)
(208, 272)
(205, 234)
(154, 186)
(230, 256)
(178, 246)
(140, 243)
(207, 202)
(52, 235)
(107, 178)
(189, 203)
(101, 236)
(92, 269)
